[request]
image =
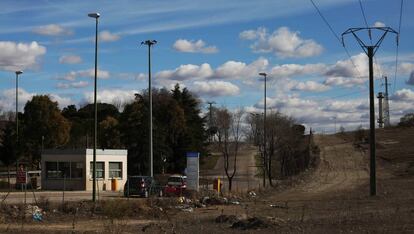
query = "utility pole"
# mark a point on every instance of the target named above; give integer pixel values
(210, 121)
(386, 106)
(370, 50)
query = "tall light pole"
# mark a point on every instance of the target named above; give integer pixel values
(210, 129)
(264, 131)
(150, 43)
(17, 104)
(96, 17)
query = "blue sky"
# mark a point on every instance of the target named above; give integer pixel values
(214, 48)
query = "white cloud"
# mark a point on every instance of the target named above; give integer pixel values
(291, 70)
(310, 86)
(350, 72)
(52, 30)
(379, 24)
(234, 69)
(282, 42)
(344, 81)
(346, 106)
(20, 56)
(215, 88)
(70, 59)
(405, 68)
(251, 34)
(112, 96)
(346, 68)
(107, 36)
(8, 101)
(320, 114)
(71, 76)
(228, 70)
(62, 101)
(406, 95)
(76, 85)
(199, 46)
(185, 72)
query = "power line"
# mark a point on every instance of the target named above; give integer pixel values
(397, 49)
(326, 21)
(336, 36)
(363, 14)
(376, 64)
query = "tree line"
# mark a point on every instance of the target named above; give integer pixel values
(178, 128)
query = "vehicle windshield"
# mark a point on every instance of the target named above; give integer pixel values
(175, 179)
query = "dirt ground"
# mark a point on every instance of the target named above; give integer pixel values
(332, 198)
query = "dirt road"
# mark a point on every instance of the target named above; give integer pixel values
(245, 178)
(342, 168)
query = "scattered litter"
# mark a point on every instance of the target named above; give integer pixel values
(252, 194)
(184, 200)
(189, 209)
(185, 208)
(199, 205)
(235, 202)
(214, 200)
(37, 216)
(250, 223)
(280, 205)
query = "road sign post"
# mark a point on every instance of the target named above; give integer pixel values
(193, 170)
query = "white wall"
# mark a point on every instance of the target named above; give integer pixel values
(106, 156)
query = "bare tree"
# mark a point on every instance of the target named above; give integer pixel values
(229, 134)
(283, 137)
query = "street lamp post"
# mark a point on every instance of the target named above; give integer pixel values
(17, 104)
(96, 17)
(150, 43)
(264, 131)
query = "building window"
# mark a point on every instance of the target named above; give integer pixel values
(100, 170)
(68, 170)
(115, 170)
(76, 170)
(52, 170)
(64, 168)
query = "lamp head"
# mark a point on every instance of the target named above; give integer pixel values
(94, 15)
(149, 42)
(19, 72)
(262, 74)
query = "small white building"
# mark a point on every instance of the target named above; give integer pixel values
(72, 169)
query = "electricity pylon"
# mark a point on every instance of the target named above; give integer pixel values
(370, 50)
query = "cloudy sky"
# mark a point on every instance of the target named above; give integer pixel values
(214, 48)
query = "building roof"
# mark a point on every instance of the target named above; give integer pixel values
(86, 151)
